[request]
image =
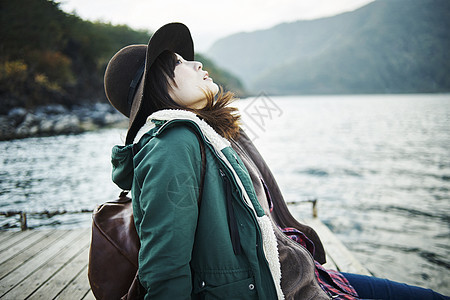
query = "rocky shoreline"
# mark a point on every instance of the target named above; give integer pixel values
(57, 119)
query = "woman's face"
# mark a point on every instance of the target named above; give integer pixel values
(190, 84)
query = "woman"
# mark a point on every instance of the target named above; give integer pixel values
(211, 229)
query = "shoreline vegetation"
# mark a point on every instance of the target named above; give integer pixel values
(52, 65)
(56, 119)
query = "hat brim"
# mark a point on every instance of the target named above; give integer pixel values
(175, 37)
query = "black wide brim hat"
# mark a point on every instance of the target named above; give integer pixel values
(125, 75)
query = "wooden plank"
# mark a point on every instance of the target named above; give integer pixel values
(28, 252)
(65, 278)
(330, 264)
(89, 296)
(30, 266)
(28, 242)
(77, 289)
(339, 254)
(7, 234)
(15, 239)
(49, 269)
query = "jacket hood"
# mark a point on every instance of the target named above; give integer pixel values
(122, 163)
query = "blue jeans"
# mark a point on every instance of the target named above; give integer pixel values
(376, 288)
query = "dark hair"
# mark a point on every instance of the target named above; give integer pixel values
(216, 112)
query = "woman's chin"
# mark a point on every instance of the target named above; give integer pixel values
(214, 89)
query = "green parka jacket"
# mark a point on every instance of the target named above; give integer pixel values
(186, 248)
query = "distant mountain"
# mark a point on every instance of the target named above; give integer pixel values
(387, 46)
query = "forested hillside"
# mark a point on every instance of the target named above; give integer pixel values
(388, 46)
(48, 56)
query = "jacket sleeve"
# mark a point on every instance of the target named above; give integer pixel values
(168, 175)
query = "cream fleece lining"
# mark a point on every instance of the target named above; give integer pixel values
(219, 143)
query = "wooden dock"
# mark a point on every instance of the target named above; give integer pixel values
(52, 264)
(338, 256)
(44, 264)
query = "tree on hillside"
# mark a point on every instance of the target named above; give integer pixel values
(49, 56)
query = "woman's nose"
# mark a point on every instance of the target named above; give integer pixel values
(199, 65)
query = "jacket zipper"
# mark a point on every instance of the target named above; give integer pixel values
(232, 223)
(237, 161)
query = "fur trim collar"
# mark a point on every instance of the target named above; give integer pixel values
(213, 137)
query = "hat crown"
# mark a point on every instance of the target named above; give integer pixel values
(120, 72)
(123, 66)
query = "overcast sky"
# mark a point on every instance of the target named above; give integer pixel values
(208, 20)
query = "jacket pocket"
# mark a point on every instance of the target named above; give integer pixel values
(239, 289)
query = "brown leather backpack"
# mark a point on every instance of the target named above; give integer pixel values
(113, 256)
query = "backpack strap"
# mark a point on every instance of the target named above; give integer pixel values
(203, 170)
(135, 149)
(137, 290)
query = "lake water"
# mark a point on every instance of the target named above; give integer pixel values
(379, 165)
